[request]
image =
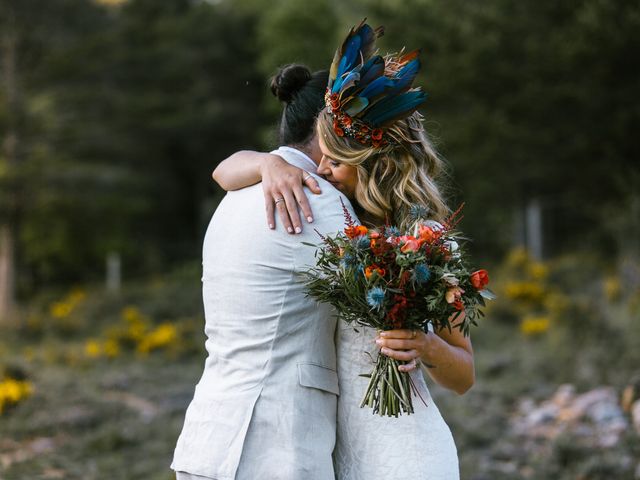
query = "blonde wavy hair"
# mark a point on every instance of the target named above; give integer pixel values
(393, 179)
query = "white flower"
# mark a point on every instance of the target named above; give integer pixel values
(450, 279)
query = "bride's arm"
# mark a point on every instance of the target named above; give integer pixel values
(280, 180)
(449, 353)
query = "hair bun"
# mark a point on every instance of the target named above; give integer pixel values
(289, 80)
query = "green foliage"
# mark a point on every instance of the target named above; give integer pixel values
(123, 113)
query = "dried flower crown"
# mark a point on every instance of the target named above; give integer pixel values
(367, 93)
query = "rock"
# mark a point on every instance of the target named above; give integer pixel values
(594, 417)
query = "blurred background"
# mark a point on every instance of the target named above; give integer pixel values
(113, 114)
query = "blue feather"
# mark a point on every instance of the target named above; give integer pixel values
(350, 55)
(349, 81)
(375, 88)
(406, 75)
(391, 108)
(372, 69)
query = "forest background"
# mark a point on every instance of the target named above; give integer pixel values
(113, 115)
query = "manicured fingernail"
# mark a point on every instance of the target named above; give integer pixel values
(384, 350)
(289, 229)
(383, 334)
(310, 219)
(271, 226)
(379, 341)
(298, 229)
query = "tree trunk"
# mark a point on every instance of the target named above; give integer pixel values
(10, 153)
(7, 279)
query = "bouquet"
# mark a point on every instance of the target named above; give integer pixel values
(391, 279)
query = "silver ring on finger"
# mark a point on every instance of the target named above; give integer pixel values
(307, 177)
(281, 199)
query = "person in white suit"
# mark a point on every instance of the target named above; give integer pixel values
(265, 406)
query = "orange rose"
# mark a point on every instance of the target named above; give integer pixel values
(426, 234)
(371, 269)
(411, 246)
(356, 231)
(479, 279)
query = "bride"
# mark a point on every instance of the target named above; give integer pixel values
(383, 174)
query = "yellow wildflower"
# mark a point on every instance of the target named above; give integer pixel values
(162, 336)
(534, 325)
(612, 288)
(60, 310)
(92, 348)
(538, 271)
(111, 348)
(13, 391)
(526, 291)
(518, 257)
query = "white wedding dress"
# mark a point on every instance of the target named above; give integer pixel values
(369, 447)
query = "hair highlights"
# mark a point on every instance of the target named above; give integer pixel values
(392, 179)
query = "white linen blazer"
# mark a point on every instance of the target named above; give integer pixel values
(265, 406)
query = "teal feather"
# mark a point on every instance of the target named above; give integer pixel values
(355, 106)
(393, 108)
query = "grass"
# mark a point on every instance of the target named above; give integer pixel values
(94, 416)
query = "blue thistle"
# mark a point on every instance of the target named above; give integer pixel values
(362, 242)
(421, 273)
(347, 261)
(418, 212)
(375, 297)
(392, 231)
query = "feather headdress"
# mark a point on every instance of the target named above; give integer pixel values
(367, 93)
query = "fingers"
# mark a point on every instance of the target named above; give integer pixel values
(405, 333)
(311, 183)
(283, 214)
(292, 210)
(395, 344)
(303, 202)
(270, 208)
(405, 355)
(407, 367)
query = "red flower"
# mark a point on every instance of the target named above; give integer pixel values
(336, 128)
(356, 231)
(458, 305)
(334, 101)
(404, 278)
(479, 279)
(376, 134)
(397, 312)
(380, 247)
(346, 121)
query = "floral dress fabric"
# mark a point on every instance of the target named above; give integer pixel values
(369, 447)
